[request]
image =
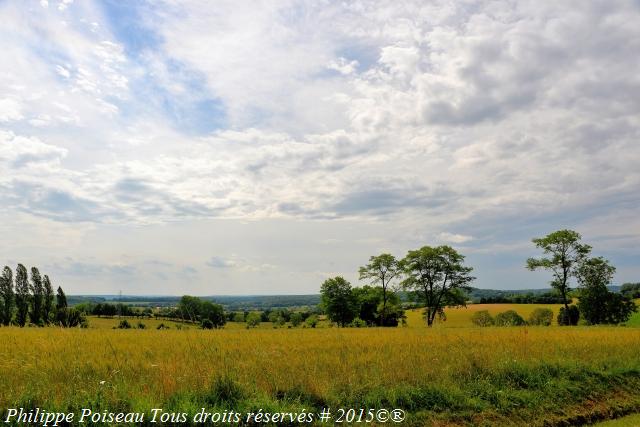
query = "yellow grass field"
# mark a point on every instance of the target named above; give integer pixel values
(452, 374)
(461, 316)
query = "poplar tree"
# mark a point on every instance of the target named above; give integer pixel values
(22, 295)
(37, 297)
(61, 308)
(61, 299)
(7, 296)
(48, 300)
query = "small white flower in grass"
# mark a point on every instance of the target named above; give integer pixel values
(102, 382)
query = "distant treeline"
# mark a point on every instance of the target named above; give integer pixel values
(547, 298)
(630, 290)
(109, 310)
(31, 301)
(198, 310)
(230, 303)
(528, 296)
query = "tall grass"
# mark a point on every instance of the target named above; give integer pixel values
(440, 376)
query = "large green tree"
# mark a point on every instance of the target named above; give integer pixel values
(7, 295)
(190, 308)
(381, 270)
(22, 295)
(437, 275)
(37, 297)
(563, 253)
(370, 303)
(338, 300)
(596, 303)
(47, 308)
(213, 313)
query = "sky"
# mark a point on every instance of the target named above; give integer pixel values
(260, 147)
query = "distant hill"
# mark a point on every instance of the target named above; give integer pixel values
(230, 302)
(264, 302)
(477, 294)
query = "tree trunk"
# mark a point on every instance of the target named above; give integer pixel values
(384, 304)
(430, 317)
(564, 291)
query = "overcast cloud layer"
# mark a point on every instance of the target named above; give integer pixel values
(225, 148)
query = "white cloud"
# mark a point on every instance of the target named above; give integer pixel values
(454, 111)
(343, 66)
(10, 110)
(432, 117)
(454, 238)
(17, 152)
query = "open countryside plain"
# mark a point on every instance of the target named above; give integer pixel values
(451, 374)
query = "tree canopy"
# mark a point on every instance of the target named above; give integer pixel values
(596, 303)
(381, 270)
(437, 275)
(563, 253)
(338, 300)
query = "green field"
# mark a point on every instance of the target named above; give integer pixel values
(628, 421)
(635, 319)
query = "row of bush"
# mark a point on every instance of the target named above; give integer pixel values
(593, 307)
(124, 324)
(529, 298)
(539, 317)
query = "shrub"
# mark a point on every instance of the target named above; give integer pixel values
(141, 325)
(509, 318)
(224, 391)
(312, 321)
(296, 319)
(482, 318)
(358, 323)
(394, 315)
(124, 324)
(599, 305)
(214, 313)
(69, 317)
(541, 317)
(253, 319)
(631, 290)
(570, 317)
(207, 324)
(162, 326)
(277, 319)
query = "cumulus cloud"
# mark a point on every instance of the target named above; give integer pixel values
(454, 238)
(461, 107)
(432, 117)
(219, 262)
(18, 152)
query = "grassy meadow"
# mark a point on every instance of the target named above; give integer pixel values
(628, 421)
(452, 374)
